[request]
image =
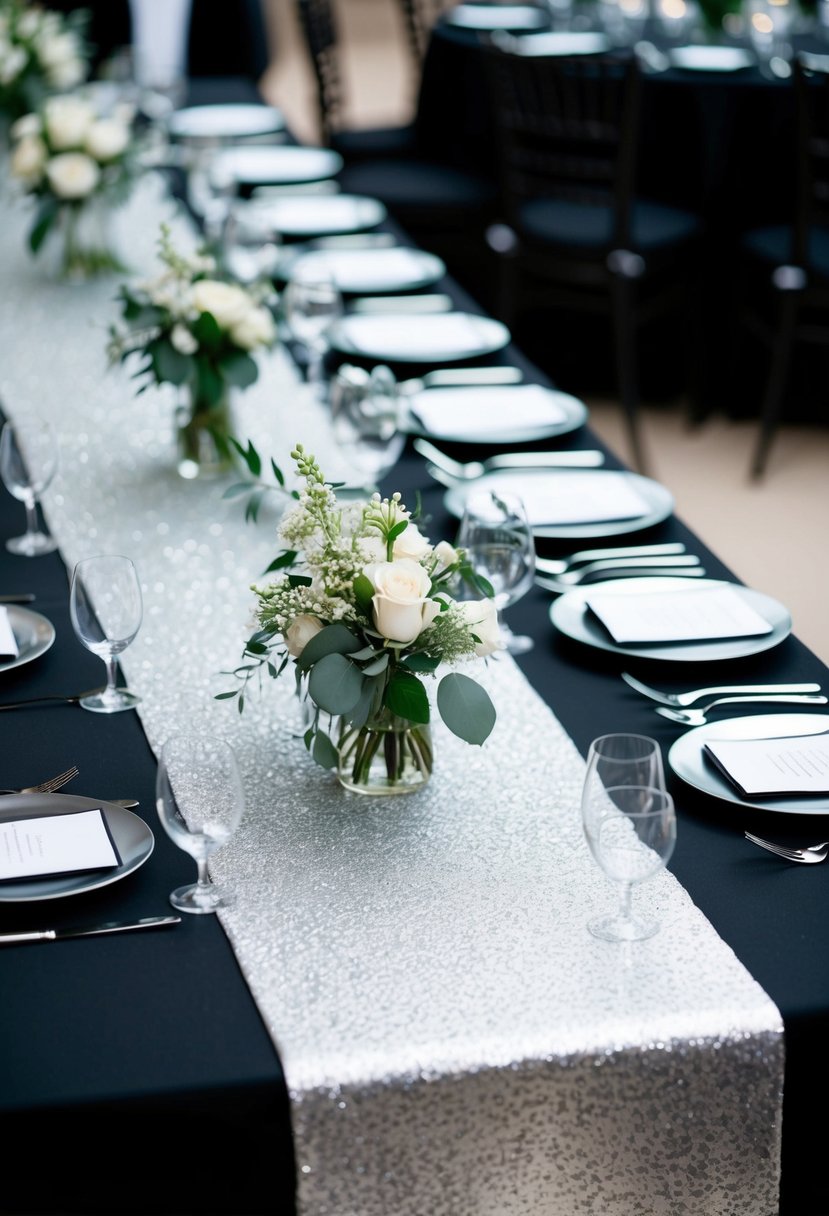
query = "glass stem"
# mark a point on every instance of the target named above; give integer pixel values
(31, 515)
(204, 877)
(624, 900)
(112, 674)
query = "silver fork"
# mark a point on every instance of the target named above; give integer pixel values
(646, 565)
(809, 854)
(46, 787)
(561, 565)
(680, 700)
(441, 466)
(616, 570)
(698, 717)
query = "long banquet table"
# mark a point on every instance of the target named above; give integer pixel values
(405, 1012)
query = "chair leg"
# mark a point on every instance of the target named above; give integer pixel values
(776, 384)
(627, 368)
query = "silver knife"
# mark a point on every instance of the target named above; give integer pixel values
(112, 926)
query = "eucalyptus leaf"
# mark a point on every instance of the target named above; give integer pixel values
(335, 684)
(406, 697)
(420, 662)
(46, 216)
(377, 667)
(362, 711)
(169, 365)
(207, 332)
(332, 639)
(209, 384)
(465, 708)
(239, 369)
(323, 751)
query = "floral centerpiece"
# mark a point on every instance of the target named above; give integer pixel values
(41, 52)
(197, 332)
(363, 607)
(78, 166)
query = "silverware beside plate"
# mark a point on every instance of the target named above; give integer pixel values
(112, 926)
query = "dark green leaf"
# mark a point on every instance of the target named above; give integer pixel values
(324, 751)
(254, 503)
(207, 332)
(334, 683)
(420, 662)
(277, 472)
(398, 529)
(299, 580)
(46, 216)
(359, 715)
(378, 666)
(286, 558)
(241, 487)
(210, 387)
(239, 369)
(168, 364)
(406, 697)
(332, 639)
(465, 708)
(363, 591)
(225, 696)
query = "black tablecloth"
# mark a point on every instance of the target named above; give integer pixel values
(139, 1065)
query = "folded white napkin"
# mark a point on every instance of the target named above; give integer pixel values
(573, 497)
(8, 642)
(486, 410)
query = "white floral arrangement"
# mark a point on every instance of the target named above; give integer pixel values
(191, 327)
(65, 156)
(363, 606)
(41, 52)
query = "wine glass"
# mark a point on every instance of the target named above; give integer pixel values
(366, 422)
(496, 537)
(312, 302)
(105, 605)
(250, 244)
(200, 801)
(634, 842)
(613, 761)
(28, 463)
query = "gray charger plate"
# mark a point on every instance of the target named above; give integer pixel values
(34, 636)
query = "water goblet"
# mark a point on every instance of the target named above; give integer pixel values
(634, 842)
(200, 801)
(106, 608)
(250, 244)
(497, 539)
(616, 760)
(312, 302)
(366, 423)
(28, 463)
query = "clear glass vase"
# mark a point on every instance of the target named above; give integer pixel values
(389, 755)
(82, 244)
(202, 435)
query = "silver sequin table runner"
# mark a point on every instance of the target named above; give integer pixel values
(455, 1042)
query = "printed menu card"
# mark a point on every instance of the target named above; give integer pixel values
(8, 642)
(56, 844)
(487, 410)
(573, 497)
(691, 614)
(769, 768)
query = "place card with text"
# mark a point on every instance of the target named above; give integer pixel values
(769, 768)
(693, 614)
(56, 844)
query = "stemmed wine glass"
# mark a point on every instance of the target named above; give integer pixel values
(200, 801)
(496, 536)
(250, 243)
(635, 840)
(28, 463)
(312, 302)
(616, 760)
(106, 608)
(366, 423)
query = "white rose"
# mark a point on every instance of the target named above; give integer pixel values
(72, 174)
(29, 124)
(12, 64)
(226, 302)
(55, 49)
(66, 75)
(446, 555)
(256, 328)
(482, 617)
(411, 543)
(67, 121)
(30, 22)
(183, 340)
(28, 159)
(106, 139)
(401, 607)
(299, 633)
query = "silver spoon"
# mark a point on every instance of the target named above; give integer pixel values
(472, 469)
(699, 717)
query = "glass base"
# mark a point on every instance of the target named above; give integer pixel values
(32, 544)
(616, 928)
(518, 643)
(200, 899)
(108, 702)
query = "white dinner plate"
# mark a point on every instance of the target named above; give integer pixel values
(563, 42)
(571, 616)
(711, 58)
(425, 338)
(687, 758)
(366, 271)
(234, 121)
(494, 413)
(497, 17)
(656, 501)
(300, 215)
(34, 636)
(278, 164)
(133, 838)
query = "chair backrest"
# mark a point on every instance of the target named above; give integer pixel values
(319, 29)
(811, 83)
(566, 127)
(418, 18)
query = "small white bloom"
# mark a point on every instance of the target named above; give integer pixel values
(28, 159)
(482, 618)
(446, 555)
(411, 543)
(53, 50)
(30, 22)
(66, 75)
(12, 64)
(299, 633)
(73, 174)
(106, 139)
(67, 121)
(402, 609)
(29, 124)
(256, 328)
(183, 340)
(224, 301)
